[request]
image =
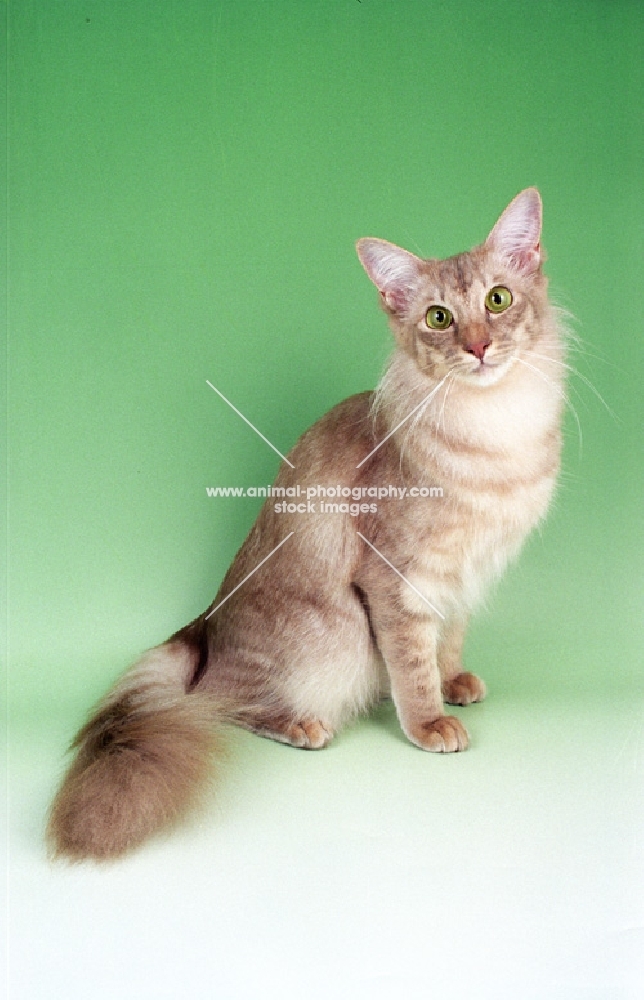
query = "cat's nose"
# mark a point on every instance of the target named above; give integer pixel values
(478, 349)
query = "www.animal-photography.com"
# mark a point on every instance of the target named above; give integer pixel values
(324, 499)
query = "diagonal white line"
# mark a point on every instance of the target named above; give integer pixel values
(404, 420)
(249, 423)
(398, 573)
(265, 559)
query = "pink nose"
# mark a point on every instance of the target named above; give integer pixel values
(478, 350)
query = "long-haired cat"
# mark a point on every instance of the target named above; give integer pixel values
(323, 613)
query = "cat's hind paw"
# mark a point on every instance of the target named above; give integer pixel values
(463, 689)
(309, 734)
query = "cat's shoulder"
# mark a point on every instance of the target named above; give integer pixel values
(345, 428)
(353, 408)
(350, 413)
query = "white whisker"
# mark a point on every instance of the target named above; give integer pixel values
(419, 406)
(441, 416)
(411, 428)
(573, 343)
(559, 392)
(575, 371)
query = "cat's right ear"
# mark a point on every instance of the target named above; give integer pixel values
(394, 272)
(517, 233)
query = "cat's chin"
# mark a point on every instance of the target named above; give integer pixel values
(485, 375)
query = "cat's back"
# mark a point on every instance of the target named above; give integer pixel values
(334, 445)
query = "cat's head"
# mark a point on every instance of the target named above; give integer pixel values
(471, 314)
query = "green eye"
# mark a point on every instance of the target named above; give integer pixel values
(498, 299)
(438, 318)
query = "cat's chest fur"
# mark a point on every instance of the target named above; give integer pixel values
(494, 455)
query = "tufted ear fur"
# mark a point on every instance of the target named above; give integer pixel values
(394, 272)
(516, 235)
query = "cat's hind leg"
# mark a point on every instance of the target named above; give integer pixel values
(306, 734)
(256, 699)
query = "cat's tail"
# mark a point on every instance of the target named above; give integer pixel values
(143, 758)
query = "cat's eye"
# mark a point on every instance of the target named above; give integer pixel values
(498, 299)
(438, 318)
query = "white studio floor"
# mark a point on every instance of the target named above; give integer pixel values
(367, 870)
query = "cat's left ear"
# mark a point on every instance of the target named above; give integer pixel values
(395, 272)
(517, 234)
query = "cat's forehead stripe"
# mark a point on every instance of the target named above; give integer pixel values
(460, 273)
(463, 274)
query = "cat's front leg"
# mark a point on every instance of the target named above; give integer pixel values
(409, 645)
(459, 686)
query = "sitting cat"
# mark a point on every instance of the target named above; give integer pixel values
(323, 614)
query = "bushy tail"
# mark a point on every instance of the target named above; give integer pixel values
(141, 761)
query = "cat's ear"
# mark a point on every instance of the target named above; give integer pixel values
(394, 271)
(517, 234)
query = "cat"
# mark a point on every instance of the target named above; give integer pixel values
(322, 615)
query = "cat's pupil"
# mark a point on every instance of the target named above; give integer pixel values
(496, 298)
(440, 316)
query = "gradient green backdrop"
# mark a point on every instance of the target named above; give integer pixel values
(186, 184)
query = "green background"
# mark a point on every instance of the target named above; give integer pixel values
(186, 182)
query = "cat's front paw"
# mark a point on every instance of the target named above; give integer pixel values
(463, 689)
(446, 734)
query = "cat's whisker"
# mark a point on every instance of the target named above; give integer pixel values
(575, 371)
(559, 392)
(419, 407)
(579, 347)
(412, 426)
(448, 381)
(441, 416)
(572, 387)
(572, 341)
(420, 415)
